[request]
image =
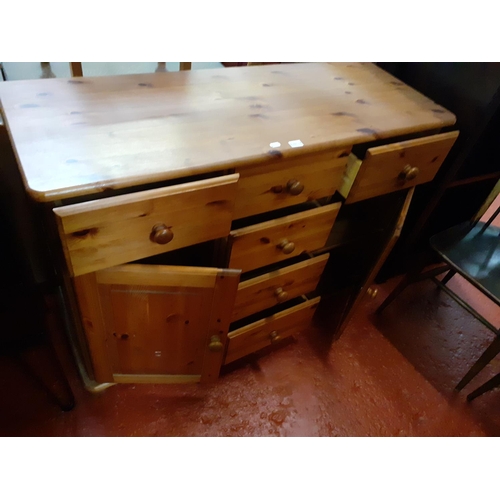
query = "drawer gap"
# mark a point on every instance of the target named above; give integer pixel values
(266, 313)
(199, 255)
(274, 267)
(277, 214)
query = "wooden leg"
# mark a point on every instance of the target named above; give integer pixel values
(46, 70)
(161, 67)
(488, 386)
(485, 358)
(183, 66)
(76, 69)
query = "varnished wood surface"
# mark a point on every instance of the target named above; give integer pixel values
(264, 188)
(103, 233)
(255, 336)
(153, 323)
(84, 135)
(259, 293)
(380, 171)
(380, 261)
(257, 245)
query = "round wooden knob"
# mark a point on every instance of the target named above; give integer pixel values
(274, 337)
(286, 246)
(161, 234)
(409, 173)
(372, 292)
(294, 187)
(215, 344)
(281, 295)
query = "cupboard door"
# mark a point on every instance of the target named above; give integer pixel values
(157, 324)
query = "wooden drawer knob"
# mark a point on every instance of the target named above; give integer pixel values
(274, 337)
(161, 234)
(281, 295)
(408, 173)
(286, 246)
(294, 187)
(215, 344)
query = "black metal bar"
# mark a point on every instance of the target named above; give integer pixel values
(487, 386)
(466, 306)
(490, 220)
(489, 354)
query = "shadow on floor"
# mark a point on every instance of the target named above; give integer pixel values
(441, 341)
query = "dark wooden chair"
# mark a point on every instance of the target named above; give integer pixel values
(472, 250)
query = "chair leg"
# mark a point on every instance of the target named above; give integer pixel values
(485, 358)
(487, 386)
(448, 277)
(410, 277)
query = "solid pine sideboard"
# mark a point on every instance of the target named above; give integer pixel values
(197, 217)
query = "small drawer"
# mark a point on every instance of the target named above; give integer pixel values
(270, 330)
(104, 233)
(289, 182)
(279, 239)
(396, 166)
(276, 287)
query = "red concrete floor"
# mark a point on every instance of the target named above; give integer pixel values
(386, 376)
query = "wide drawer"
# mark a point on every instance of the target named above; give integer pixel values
(276, 287)
(270, 330)
(397, 166)
(104, 233)
(279, 239)
(289, 182)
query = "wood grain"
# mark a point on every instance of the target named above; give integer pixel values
(103, 233)
(256, 336)
(379, 171)
(159, 329)
(380, 261)
(76, 69)
(79, 136)
(263, 188)
(259, 293)
(225, 290)
(92, 319)
(256, 246)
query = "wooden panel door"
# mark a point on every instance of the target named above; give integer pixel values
(157, 324)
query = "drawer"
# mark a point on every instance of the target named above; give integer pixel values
(279, 239)
(267, 331)
(104, 233)
(289, 182)
(278, 286)
(397, 166)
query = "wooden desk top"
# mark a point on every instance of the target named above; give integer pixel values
(84, 135)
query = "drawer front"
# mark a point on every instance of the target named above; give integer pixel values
(290, 182)
(278, 286)
(104, 233)
(399, 166)
(273, 241)
(270, 330)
